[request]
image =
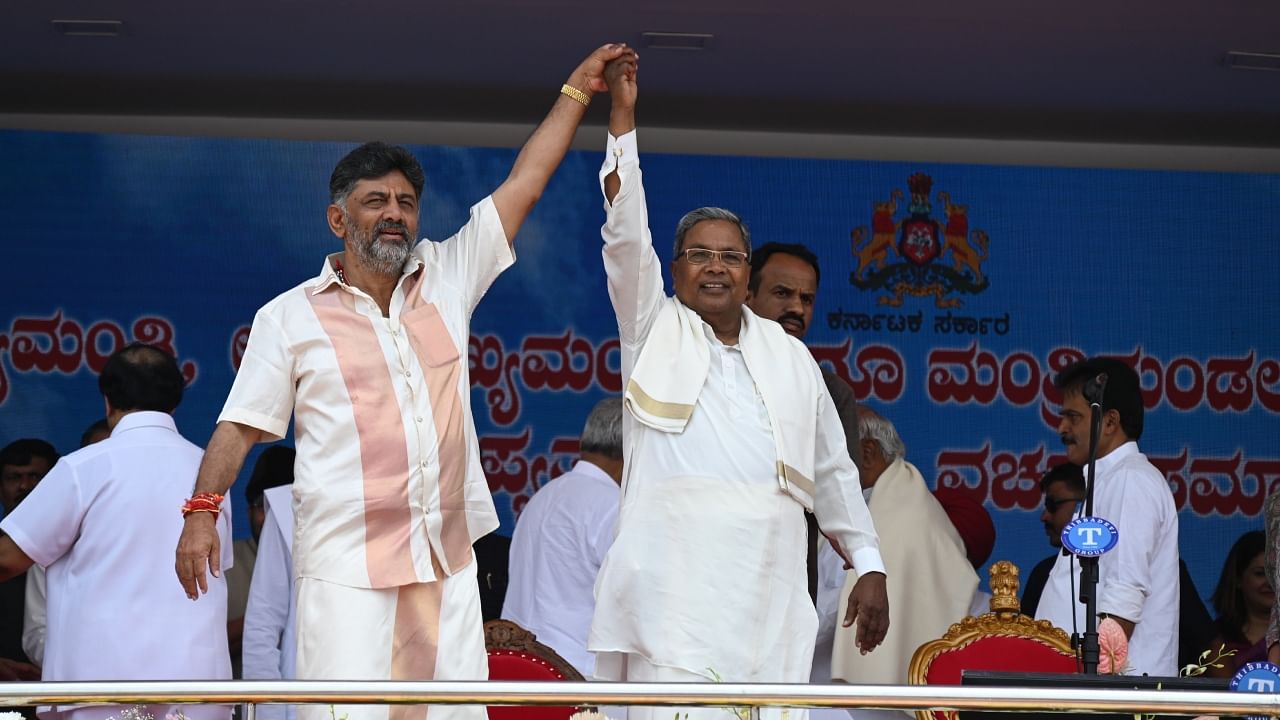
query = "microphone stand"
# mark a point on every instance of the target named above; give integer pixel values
(1089, 565)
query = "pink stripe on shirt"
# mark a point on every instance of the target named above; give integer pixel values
(384, 458)
(441, 365)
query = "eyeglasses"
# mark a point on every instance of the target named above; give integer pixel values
(728, 258)
(1051, 504)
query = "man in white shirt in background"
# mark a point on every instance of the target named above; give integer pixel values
(1138, 582)
(561, 539)
(270, 637)
(35, 619)
(273, 468)
(102, 523)
(730, 435)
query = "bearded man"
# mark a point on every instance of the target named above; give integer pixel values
(389, 493)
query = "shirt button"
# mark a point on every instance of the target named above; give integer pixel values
(408, 373)
(419, 418)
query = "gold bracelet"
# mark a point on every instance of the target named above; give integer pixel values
(576, 94)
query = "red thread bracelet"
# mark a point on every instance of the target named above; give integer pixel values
(203, 502)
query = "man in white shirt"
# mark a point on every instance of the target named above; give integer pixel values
(1138, 579)
(35, 616)
(729, 436)
(273, 468)
(561, 539)
(270, 641)
(369, 359)
(101, 523)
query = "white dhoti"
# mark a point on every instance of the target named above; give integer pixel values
(425, 631)
(706, 580)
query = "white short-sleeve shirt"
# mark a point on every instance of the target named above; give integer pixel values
(104, 523)
(1138, 579)
(559, 543)
(388, 469)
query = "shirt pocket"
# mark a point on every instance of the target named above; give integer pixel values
(430, 336)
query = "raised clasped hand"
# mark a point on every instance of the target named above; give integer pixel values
(589, 76)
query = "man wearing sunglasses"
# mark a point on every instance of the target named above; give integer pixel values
(1063, 488)
(729, 436)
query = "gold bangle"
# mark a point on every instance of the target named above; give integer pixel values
(576, 94)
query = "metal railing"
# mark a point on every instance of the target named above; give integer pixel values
(914, 697)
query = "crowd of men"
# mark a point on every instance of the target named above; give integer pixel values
(734, 516)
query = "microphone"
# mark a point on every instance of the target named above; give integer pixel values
(1093, 388)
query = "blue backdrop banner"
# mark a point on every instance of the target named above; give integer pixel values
(950, 296)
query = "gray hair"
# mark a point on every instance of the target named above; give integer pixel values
(709, 213)
(873, 426)
(602, 432)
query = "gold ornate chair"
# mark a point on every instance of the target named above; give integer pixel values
(515, 654)
(1003, 639)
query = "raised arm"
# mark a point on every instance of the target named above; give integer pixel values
(199, 546)
(635, 276)
(544, 150)
(620, 76)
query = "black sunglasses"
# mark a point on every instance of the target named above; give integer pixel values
(1051, 504)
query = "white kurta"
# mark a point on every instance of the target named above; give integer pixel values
(270, 637)
(707, 574)
(104, 523)
(559, 544)
(1138, 579)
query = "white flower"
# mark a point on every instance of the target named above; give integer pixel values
(11, 716)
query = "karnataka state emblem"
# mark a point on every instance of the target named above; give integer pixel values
(924, 245)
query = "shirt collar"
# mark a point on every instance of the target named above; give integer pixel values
(329, 271)
(144, 418)
(590, 469)
(1108, 462)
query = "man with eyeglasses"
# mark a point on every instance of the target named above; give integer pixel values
(1063, 488)
(729, 436)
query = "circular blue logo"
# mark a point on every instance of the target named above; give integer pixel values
(1259, 677)
(1089, 536)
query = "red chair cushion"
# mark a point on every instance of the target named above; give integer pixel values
(997, 653)
(515, 665)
